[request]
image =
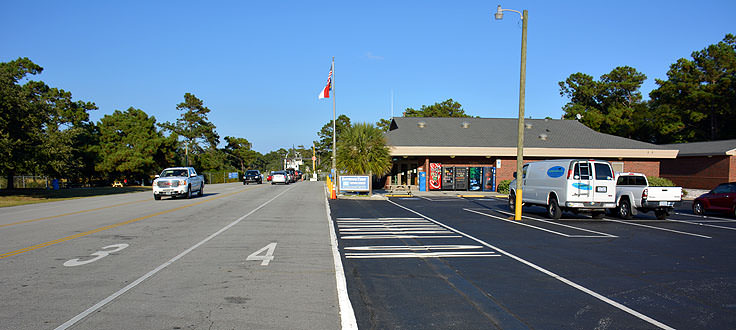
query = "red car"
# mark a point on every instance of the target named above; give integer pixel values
(721, 199)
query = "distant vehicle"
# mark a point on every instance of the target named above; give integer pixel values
(721, 199)
(633, 194)
(117, 184)
(178, 181)
(292, 174)
(299, 174)
(577, 185)
(280, 177)
(270, 175)
(252, 176)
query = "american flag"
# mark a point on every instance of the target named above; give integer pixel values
(325, 93)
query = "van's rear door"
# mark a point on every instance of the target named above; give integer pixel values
(604, 185)
(580, 189)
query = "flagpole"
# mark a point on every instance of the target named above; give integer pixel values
(334, 131)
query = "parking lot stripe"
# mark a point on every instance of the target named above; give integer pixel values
(416, 251)
(601, 235)
(420, 255)
(396, 236)
(545, 271)
(705, 217)
(564, 225)
(657, 228)
(412, 247)
(702, 224)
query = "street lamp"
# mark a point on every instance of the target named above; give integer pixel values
(522, 83)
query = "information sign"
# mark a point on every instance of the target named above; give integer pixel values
(354, 183)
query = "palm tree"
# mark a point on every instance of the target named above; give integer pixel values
(362, 150)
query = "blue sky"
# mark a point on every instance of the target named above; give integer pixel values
(259, 65)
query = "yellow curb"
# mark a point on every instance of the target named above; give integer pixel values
(399, 196)
(473, 196)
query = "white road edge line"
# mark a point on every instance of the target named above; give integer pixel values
(347, 314)
(558, 277)
(133, 284)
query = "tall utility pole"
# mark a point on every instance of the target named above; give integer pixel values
(522, 92)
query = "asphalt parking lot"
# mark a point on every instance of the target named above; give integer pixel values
(464, 263)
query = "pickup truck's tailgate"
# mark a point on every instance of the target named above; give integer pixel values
(664, 194)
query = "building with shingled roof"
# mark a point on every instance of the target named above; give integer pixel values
(417, 142)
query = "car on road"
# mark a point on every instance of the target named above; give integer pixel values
(721, 199)
(280, 177)
(292, 174)
(178, 181)
(252, 176)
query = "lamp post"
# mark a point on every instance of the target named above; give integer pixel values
(522, 84)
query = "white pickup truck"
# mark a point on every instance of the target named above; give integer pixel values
(178, 181)
(633, 195)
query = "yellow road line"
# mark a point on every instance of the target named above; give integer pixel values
(70, 213)
(68, 238)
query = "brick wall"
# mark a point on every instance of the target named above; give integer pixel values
(699, 172)
(646, 167)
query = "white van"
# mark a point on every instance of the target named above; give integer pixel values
(576, 185)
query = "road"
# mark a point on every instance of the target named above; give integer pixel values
(261, 257)
(462, 263)
(240, 257)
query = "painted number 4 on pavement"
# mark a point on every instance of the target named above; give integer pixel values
(266, 258)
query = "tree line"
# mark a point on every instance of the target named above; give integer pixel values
(697, 101)
(44, 132)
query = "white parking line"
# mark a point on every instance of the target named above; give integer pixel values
(705, 217)
(395, 236)
(420, 255)
(545, 271)
(657, 228)
(699, 223)
(416, 251)
(600, 234)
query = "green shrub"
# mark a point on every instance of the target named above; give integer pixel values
(659, 182)
(503, 186)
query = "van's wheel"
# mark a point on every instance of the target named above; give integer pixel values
(597, 214)
(189, 192)
(157, 197)
(553, 209)
(661, 214)
(512, 202)
(624, 209)
(698, 208)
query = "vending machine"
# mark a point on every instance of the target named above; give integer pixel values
(435, 176)
(475, 179)
(448, 178)
(461, 178)
(489, 179)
